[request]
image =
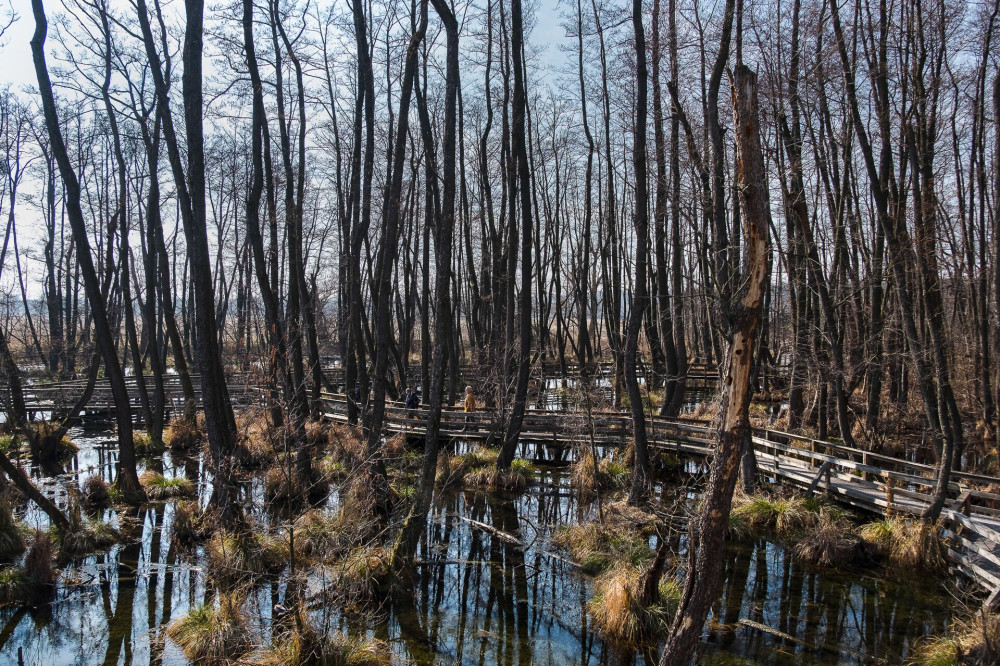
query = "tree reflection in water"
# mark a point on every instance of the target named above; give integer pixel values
(476, 598)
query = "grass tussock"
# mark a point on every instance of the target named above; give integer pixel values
(258, 437)
(610, 473)
(236, 558)
(323, 537)
(301, 644)
(363, 574)
(478, 469)
(759, 515)
(158, 487)
(618, 613)
(974, 641)
(517, 477)
(190, 525)
(184, 434)
(212, 634)
(347, 445)
(15, 586)
(96, 491)
(831, 543)
(11, 542)
(596, 547)
(283, 484)
(38, 562)
(144, 444)
(85, 538)
(906, 544)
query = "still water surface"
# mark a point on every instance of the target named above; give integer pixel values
(477, 599)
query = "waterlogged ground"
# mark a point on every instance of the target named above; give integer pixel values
(477, 599)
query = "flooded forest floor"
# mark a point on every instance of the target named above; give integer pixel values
(501, 577)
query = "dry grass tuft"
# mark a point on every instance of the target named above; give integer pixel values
(974, 641)
(96, 492)
(11, 543)
(190, 523)
(830, 543)
(347, 445)
(363, 574)
(15, 586)
(84, 538)
(618, 613)
(38, 562)
(611, 474)
(906, 544)
(597, 547)
(300, 645)
(184, 434)
(759, 515)
(159, 488)
(237, 558)
(322, 537)
(213, 634)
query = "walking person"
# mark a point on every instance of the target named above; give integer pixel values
(470, 407)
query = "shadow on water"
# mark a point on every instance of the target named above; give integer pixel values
(475, 598)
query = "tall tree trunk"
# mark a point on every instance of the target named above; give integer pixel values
(703, 580)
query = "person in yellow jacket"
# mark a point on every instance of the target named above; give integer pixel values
(470, 406)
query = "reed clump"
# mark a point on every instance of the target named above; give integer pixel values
(363, 575)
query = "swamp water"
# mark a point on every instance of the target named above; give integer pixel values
(477, 599)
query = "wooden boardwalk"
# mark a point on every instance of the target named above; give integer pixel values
(866, 481)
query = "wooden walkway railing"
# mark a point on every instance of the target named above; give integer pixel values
(864, 480)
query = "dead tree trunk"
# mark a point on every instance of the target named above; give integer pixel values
(703, 581)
